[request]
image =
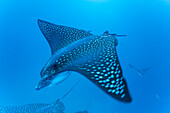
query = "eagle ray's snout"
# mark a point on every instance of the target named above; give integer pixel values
(44, 82)
(48, 81)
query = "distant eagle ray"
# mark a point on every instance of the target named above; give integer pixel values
(141, 72)
(55, 107)
(93, 56)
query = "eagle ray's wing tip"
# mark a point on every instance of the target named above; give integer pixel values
(39, 21)
(59, 36)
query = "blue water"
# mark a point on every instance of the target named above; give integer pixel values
(24, 51)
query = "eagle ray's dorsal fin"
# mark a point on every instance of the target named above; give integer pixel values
(106, 32)
(59, 36)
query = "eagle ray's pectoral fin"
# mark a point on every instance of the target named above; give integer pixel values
(59, 36)
(106, 73)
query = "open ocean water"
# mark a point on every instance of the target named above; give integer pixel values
(24, 51)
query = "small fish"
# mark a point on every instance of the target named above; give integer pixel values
(140, 72)
(157, 96)
(93, 56)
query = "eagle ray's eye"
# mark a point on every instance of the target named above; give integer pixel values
(53, 71)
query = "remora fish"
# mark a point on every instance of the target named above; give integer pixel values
(93, 56)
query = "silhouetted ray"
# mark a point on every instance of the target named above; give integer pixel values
(140, 72)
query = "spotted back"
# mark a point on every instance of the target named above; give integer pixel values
(94, 56)
(29, 108)
(57, 107)
(98, 61)
(59, 36)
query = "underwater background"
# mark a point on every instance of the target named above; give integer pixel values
(24, 51)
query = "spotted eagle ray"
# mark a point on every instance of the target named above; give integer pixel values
(93, 56)
(56, 107)
(140, 72)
